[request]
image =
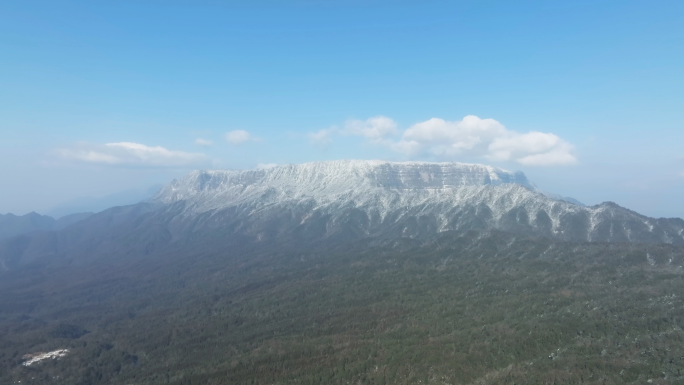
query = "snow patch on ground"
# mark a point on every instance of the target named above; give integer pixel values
(34, 358)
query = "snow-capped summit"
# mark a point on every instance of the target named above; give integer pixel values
(403, 198)
(325, 180)
(340, 174)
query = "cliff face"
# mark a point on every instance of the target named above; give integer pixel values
(324, 180)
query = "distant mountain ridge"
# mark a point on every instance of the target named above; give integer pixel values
(96, 204)
(12, 225)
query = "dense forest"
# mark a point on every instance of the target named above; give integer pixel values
(461, 308)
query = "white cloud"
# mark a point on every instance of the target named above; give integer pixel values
(533, 148)
(486, 138)
(238, 137)
(442, 138)
(130, 154)
(470, 137)
(264, 166)
(322, 138)
(376, 130)
(203, 142)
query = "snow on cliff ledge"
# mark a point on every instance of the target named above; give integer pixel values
(319, 179)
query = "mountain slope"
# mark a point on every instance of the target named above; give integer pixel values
(457, 308)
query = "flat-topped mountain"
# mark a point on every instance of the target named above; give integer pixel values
(327, 180)
(407, 199)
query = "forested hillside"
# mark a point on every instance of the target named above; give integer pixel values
(461, 308)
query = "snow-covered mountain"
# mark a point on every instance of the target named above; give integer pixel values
(333, 203)
(408, 199)
(354, 182)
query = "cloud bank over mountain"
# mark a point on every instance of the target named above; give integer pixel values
(471, 136)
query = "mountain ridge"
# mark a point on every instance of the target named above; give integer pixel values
(336, 202)
(15, 225)
(382, 189)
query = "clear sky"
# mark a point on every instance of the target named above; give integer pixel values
(585, 97)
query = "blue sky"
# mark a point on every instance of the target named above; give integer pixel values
(101, 97)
